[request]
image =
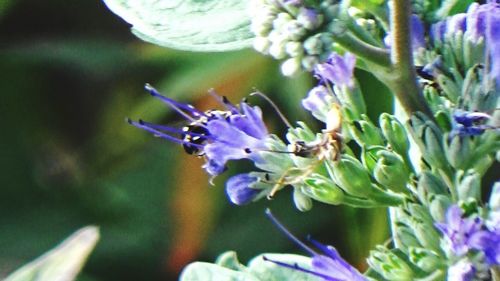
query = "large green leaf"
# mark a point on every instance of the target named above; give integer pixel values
(62, 263)
(193, 25)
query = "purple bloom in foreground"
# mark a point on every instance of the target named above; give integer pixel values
(338, 69)
(319, 101)
(465, 234)
(469, 123)
(461, 234)
(239, 190)
(326, 264)
(217, 135)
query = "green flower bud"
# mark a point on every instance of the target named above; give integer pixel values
(352, 177)
(438, 206)
(429, 138)
(323, 189)
(291, 67)
(352, 97)
(369, 156)
(309, 18)
(302, 202)
(426, 234)
(394, 132)
(406, 236)
(428, 185)
(309, 62)
(469, 186)
(294, 49)
(458, 152)
(365, 133)
(390, 265)
(391, 171)
(313, 45)
(425, 259)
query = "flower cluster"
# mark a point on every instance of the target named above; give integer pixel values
(290, 29)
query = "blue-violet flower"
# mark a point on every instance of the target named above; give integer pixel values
(217, 135)
(328, 264)
(338, 69)
(239, 190)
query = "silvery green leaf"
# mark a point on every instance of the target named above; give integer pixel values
(205, 271)
(267, 270)
(63, 262)
(192, 25)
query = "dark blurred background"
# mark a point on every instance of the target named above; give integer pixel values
(70, 72)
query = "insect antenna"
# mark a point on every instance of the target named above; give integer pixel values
(274, 106)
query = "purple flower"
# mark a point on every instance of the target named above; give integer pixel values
(466, 123)
(239, 190)
(461, 234)
(217, 135)
(337, 69)
(461, 271)
(493, 41)
(327, 263)
(465, 234)
(319, 101)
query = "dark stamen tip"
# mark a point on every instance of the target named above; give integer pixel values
(128, 120)
(248, 151)
(225, 100)
(140, 121)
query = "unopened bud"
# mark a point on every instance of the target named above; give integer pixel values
(425, 259)
(294, 48)
(291, 67)
(391, 171)
(438, 207)
(352, 176)
(323, 190)
(309, 18)
(394, 132)
(309, 62)
(458, 152)
(389, 265)
(365, 133)
(469, 186)
(313, 45)
(302, 202)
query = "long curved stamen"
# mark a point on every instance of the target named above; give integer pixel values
(289, 234)
(177, 106)
(299, 268)
(173, 130)
(224, 101)
(161, 134)
(274, 106)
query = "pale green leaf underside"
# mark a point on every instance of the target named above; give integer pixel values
(193, 25)
(63, 262)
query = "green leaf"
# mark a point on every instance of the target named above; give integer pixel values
(211, 272)
(269, 271)
(63, 262)
(192, 25)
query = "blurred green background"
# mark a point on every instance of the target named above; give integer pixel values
(71, 72)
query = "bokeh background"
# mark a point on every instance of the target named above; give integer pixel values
(70, 73)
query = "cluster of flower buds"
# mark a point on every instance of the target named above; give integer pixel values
(293, 31)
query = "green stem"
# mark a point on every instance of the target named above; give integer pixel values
(402, 77)
(360, 48)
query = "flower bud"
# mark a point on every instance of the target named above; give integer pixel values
(369, 156)
(302, 202)
(239, 190)
(309, 62)
(365, 133)
(458, 151)
(389, 264)
(438, 206)
(277, 49)
(425, 259)
(429, 138)
(261, 44)
(469, 186)
(428, 185)
(352, 177)
(294, 48)
(391, 171)
(291, 67)
(309, 18)
(323, 189)
(313, 45)
(230, 260)
(406, 236)
(293, 30)
(281, 20)
(394, 132)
